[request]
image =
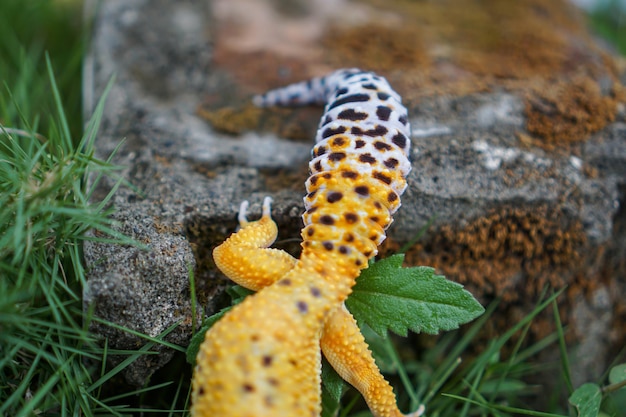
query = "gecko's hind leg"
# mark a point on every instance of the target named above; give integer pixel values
(245, 257)
(345, 348)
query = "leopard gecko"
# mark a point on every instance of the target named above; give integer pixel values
(263, 358)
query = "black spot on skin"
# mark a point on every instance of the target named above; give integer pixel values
(358, 262)
(351, 114)
(330, 131)
(326, 176)
(362, 190)
(403, 119)
(336, 156)
(267, 360)
(392, 196)
(293, 362)
(248, 388)
(349, 174)
(382, 177)
(340, 141)
(400, 140)
(341, 91)
(327, 120)
(312, 210)
(320, 150)
(201, 391)
(315, 292)
(273, 381)
(314, 179)
(285, 282)
(349, 237)
(334, 197)
(317, 166)
(374, 238)
(255, 337)
(382, 146)
(310, 231)
(377, 131)
(327, 220)
(367, 158)
(357, 131)
(328, 245)
(352, 98)
(383, 112)
(311, 194)
(302, 306)
(367, 253)
(353, 74)
(359, 144)
(383, 96)
(351, 218)
(344, 250)
(374, 219)
(391, 163)
(370, 86)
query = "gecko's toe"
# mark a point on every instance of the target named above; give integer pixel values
(418, 413)
(267, 209)
(243, 212)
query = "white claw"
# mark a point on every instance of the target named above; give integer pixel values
(243, 211)
(267, 209)
(419, 412)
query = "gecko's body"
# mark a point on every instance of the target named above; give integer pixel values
(263, 358)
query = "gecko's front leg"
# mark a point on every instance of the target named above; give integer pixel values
(246, 258)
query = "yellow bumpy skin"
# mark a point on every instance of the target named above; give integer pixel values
(264, 357)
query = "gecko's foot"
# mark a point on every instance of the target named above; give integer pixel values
(243, 211)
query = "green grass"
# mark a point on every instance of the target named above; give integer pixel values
(28, 29)
(609, 21)
(50, 364)
(45, 214)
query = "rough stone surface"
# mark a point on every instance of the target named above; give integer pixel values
(526, 186)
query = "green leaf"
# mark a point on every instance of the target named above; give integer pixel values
(198, 338)
(238, 293)
(332, 388)
(390, 297)
(617, 374)
(587, 399)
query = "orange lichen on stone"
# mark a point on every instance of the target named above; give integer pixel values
(294, 124)
(497, 38)
(515, 39)
(375, 46)
(500, 252)
(232, 120)
(536, 49)
(569, 111)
